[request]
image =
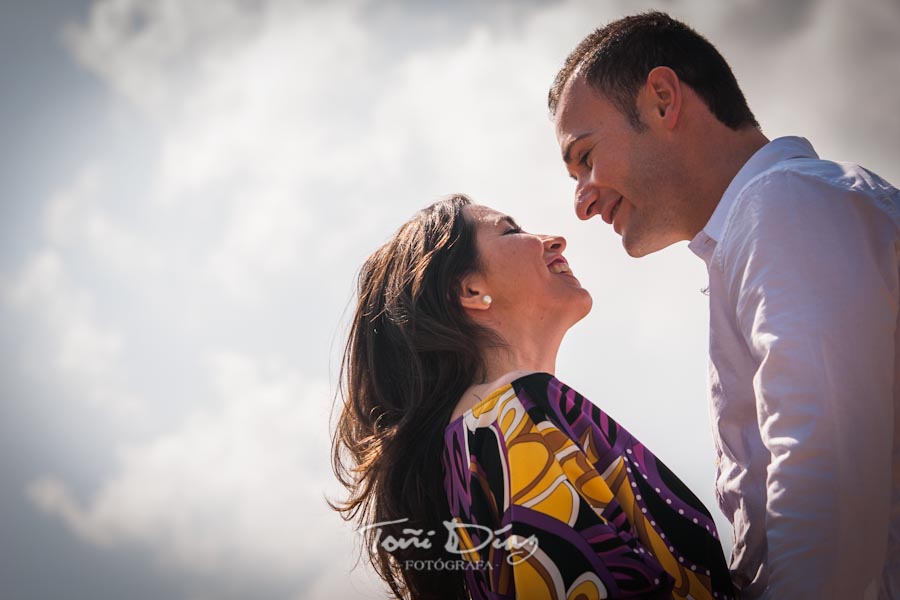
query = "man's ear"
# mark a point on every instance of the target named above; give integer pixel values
(472, 290)
(661, 96)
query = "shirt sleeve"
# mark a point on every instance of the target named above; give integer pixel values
(812, 267)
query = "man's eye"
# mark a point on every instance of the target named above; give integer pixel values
(512, 230)
(584, 159)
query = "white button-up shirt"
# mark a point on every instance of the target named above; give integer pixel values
(804, 290)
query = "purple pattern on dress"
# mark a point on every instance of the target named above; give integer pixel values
(611, 550)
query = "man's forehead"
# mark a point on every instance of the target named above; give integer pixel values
(572, 93)
(582, 110)
(572, 100)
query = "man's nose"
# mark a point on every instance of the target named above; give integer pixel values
(586, 199)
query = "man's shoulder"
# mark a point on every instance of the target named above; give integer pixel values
(791, 177)
(794, 187)
(805, 203)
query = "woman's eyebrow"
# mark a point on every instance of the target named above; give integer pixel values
(506, 219)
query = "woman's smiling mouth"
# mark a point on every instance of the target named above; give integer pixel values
(559, 265)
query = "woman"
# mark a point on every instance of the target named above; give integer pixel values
(472, 470)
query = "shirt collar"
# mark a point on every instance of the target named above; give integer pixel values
(777, 150)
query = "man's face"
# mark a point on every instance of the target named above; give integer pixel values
(625, 175)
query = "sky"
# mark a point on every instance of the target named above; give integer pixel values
(188, 191)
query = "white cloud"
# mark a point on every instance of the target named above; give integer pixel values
(236, 492)
(84, 353)
(140, 47)
(82, 241)
(251, 133)
(75, 219)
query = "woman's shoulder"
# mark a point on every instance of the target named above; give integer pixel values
(481, 394)
(510, 377)
(535, 384)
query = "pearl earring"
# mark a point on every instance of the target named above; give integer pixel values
(487, 299)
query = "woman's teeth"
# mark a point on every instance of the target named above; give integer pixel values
(560, 267)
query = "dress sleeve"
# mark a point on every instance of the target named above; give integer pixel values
(817, 302)
(524, 528)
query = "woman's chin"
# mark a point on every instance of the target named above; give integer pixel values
(581, 308)
(588, 302)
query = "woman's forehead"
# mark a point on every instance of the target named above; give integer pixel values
(486, 215)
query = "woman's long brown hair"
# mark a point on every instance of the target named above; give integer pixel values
(411, 354)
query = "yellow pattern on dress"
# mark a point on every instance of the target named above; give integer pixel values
(550, 474)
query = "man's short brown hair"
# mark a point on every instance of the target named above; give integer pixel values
(616, 59)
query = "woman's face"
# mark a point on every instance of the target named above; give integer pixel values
(525, 273)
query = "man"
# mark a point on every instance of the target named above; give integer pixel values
(804, 289)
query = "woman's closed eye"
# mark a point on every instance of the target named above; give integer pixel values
(513, 230)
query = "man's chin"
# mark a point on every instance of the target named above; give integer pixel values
(635, 253)
(632, 247)
(638, 247)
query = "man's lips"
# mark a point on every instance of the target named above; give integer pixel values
(609, 210)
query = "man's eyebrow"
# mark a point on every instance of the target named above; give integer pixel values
(567, 150)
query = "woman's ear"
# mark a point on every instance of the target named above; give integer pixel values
(473, 293)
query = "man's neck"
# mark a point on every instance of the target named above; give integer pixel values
(722, 159)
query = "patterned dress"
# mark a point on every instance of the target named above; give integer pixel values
(552, 499)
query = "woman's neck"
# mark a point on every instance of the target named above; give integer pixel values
(522, 354)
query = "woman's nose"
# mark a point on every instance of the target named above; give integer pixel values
(555, 243)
